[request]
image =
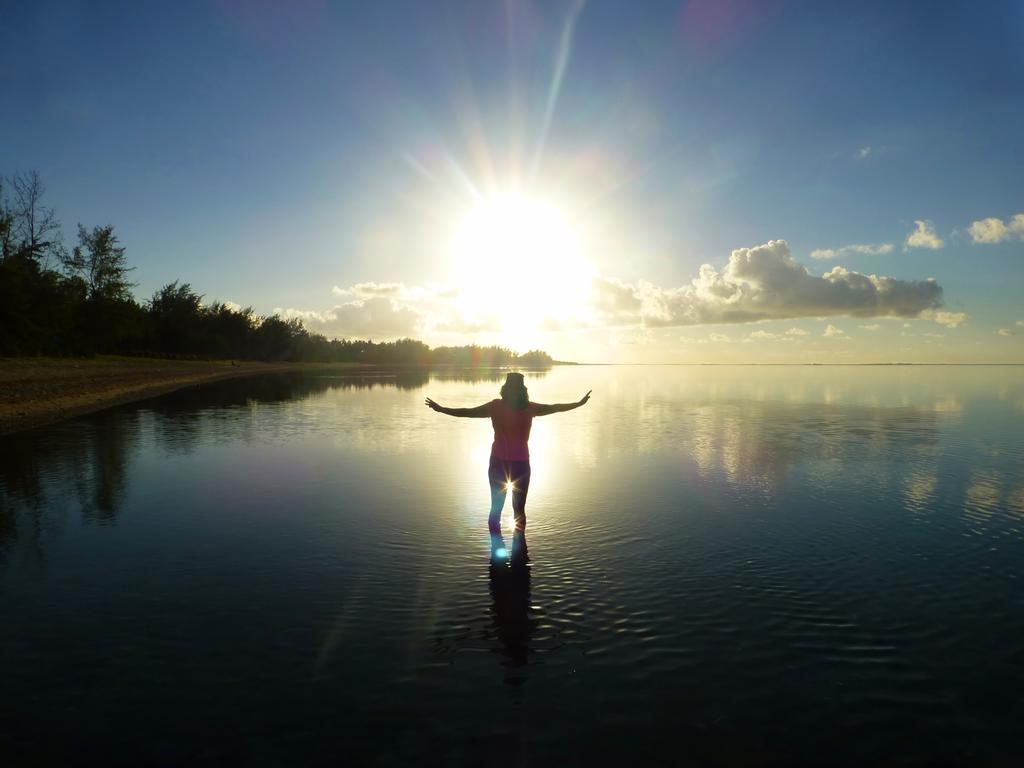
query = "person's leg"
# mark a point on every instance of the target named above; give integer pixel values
(520, 487)
(497, 479)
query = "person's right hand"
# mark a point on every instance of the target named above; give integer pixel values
(583, 400)
(432, 405)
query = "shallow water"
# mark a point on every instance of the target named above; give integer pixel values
(728, 565)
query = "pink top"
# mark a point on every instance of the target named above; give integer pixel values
(511, 431)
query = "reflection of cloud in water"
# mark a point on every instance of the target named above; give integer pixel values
(756, 443)
(948, 404)
(982, 497)
(920, 489)
(702, 444)
(1015, 502)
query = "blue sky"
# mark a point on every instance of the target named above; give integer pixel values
(301, 156)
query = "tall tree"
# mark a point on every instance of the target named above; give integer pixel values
(7, 219)
(176, 312)
(35, 224)
(100, 261)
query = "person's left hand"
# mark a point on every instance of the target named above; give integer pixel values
(583, 400)
(432, 405)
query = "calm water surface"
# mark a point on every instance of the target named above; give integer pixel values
(793, 565)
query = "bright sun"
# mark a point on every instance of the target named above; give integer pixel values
(519, 268)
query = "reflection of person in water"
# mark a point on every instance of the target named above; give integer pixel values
(512, 416)
(513, 620)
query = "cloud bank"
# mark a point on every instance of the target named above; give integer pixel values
(764, 283)
(371, 310)
(373, 318)
(760, 283)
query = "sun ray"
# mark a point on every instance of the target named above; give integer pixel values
(564, 52)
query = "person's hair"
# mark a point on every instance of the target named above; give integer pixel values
(514, 392)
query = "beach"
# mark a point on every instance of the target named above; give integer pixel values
(36, 391)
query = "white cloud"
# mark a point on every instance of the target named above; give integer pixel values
(863, 152)
(1006, 332)
(233, 306)
(377, 317)
(616, 301)
(369, 290)
(764, 335)
(720, 337)
(871, 327)
(948, 319)
(306, 315)
(873, 250)
(796, 332)
(993, 230)
(989, 231)
(637, 338)
(924, 236)
(825, 253)
(866, 248)
(834, 333)
(454, 323)
(1020, 323)
(764, 283)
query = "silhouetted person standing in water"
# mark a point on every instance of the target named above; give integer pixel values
(512, 416)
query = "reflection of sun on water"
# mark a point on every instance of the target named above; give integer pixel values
(519, 268)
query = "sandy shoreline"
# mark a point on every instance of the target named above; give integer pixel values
(37, 391)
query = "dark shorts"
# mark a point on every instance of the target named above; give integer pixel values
(500, 471)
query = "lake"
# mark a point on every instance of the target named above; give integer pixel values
(727, 565)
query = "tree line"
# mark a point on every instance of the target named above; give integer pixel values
(77, 301)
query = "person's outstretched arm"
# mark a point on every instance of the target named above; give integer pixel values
(544, 409)
(480, 412)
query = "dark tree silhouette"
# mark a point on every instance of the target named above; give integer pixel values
(7, 231)
(88, 307)
(99, 261)
(175, 315)
(35, 225)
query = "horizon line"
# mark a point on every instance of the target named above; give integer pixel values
(875, 364)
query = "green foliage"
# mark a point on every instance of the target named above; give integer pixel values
(88, 307)
(175, 315)
(99, 261)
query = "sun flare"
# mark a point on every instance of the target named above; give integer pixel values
(519, 267)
